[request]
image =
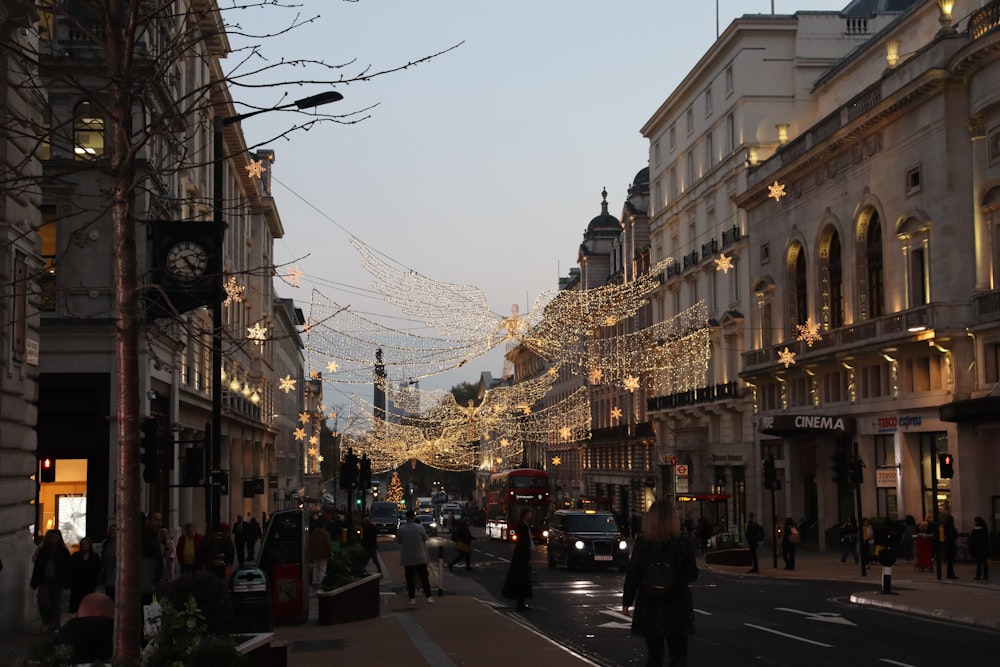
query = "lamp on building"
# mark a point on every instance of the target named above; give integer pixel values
(945, 19)
(234, 384)
(753, 155)
(782, 133)
(218, 158)
(891, 52)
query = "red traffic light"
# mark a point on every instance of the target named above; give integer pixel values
(48, 471)
(47, 464)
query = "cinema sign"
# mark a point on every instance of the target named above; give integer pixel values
(791, 425)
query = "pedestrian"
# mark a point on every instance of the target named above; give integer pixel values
(109, 559)
(907, 538)
(462, 537)
(868, 543)
(950, 545)
(239, 540)
(217, 552)
(665, 613)
(849, 540)
(50, 576)
(789, 540)
(704, 531)
(151, 558)
(90, 633)
(252, 535)
(188, 545)
(320, 549)
(517, 585)
(369, 542)
(84, 573)
(412, 539)
(979, 547)
(169, 550)
(754, 534)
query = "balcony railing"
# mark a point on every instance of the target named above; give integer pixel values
(691, 259)
(710, 248)
(673, 270)
(703, 395)
(985, 21)
(731, 236)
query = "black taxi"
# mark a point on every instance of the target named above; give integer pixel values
(589, 538)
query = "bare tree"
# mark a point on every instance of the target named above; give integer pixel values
(123, 96)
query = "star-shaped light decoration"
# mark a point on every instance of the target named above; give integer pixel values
(257, 333)
(331, 367)
(786, 357)
(504, 442)
(313, 440)
(312, 451)
(565, 432)
(332, 415)
(300, 434)
(595, 375)
(776, 191)
(553, 371)
(255, 169)
(319, 458)
(724, 263)
(322, 407)
(304, 417)
(526, 409)
(610, 321)
(556, 461)
(286, 384)
(294, 277)
(809, 332)
(234, 291)
(616, 413)
(313, 375)
(631, 383)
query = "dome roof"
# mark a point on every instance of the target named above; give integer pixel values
(605, 220)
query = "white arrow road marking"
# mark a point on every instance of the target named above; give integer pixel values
(624, 625)
(825, 616)
(785, 634)
(894, 662)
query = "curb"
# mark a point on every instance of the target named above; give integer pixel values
(937, 614)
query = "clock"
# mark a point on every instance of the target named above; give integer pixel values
(187, 261)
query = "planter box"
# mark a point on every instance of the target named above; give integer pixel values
(728, 557)
(354, 602)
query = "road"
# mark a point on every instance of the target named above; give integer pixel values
(740, 620)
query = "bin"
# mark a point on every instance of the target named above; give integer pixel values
(251, 601)
(923, 558)
(289, 605)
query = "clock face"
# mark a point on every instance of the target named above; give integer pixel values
(187, 261)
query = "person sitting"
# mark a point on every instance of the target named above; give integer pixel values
(90, 634)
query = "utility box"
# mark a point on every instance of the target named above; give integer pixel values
(251, 601)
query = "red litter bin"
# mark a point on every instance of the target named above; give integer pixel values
(923, 554)
(288, 603)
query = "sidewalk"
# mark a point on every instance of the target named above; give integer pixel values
(963, 600)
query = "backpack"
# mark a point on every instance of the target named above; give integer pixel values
(658, 579)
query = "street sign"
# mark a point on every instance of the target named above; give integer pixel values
(681, 470)
(682, 485)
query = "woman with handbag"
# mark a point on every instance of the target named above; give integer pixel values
(660, 568)
(462, 537)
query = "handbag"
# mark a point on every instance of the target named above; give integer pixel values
(462, 547)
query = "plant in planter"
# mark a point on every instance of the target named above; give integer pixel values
(348, 594)
(345, 566)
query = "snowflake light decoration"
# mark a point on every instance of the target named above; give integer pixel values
(565, 432)
(724, 263)
(616, 413)
(286, 384)
(808, 332)
(786, 357)
(319, 458)
(300, 434)
(257, 333)
(595, 376)
(631, 383)
(294, 277)
(331, 367)
(313, 440)
(556, 461)
(234, 291)
(304, 418)
(255, 169)
(312, 451)
(776, 191)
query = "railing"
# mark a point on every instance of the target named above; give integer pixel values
(697, 396)
(985, 21)
(710, 248)
(986, 306)
(857, 26)
(731, 236)
(864, 101)
(691, 259)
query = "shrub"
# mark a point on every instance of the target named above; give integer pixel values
(345, 566)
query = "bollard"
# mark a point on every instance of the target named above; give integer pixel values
(887, 557)
(440, 566)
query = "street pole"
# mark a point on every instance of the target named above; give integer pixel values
(935, 538)
(774, 530)
(861, 522)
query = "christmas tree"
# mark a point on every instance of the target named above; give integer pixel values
(395, 492)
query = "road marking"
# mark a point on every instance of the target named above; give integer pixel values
(895, 662)
(624, 624)
(824, 616)
(785, 634)
(703, 613)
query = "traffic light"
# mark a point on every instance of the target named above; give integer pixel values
(48, 470)
(770, 473)
(856, 473)
(841, 467)
(946, 464)
(349, 470)
(376, 488)
(366, 472)
(150, 457)
(193, 470)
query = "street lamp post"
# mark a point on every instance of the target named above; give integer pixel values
(212, 512)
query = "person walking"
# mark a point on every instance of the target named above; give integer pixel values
(369, 542)
(907, 538)
(84, 573)
(320, 549)
(868, 545)
(664, 612)
(754, 534)
(950, 545)
(239, 539)
(151, 558)
(50, 576)
(217, 552)
(979, 548)
(109, 561)
(412, 539)
(517, 584)
(169, 549)
(252, 535)
(789, 540)
(462, 537)
(849, 540)
(188, 545)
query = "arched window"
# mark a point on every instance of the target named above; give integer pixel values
(831, 279)
(88, 132)
(798, 292)
(915, 240)
(874, 274)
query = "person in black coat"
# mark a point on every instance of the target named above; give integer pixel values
(84, 573)
(517, 585)
(462, 537)
(666, 616)
(979, 547)
(950, 545)
(788, 543)
(50, 576)
(90, 634)
(754, 534)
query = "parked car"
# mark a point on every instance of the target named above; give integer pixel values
(429, 523)
(586, 538)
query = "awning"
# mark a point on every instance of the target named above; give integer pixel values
(985, 409)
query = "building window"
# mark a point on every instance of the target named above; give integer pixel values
(708, 102)
(798, 303)
(729, 79)
(709, 150)
(673, 138)
(690, 171)
(914, 235)
(689, 120)
(88, 132)
(656, 153)
(47, 281)
(831, 279)
(875, 273)
(730, 133)
(765, 253)
(672, 190)
(913, 180)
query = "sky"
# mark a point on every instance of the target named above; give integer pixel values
(485, 165)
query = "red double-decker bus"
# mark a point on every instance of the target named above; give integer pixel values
(507, 493)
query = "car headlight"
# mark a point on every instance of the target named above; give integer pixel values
(545, 533)
(623, 545)
(579, 545)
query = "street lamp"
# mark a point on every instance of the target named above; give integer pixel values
(215, 269)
